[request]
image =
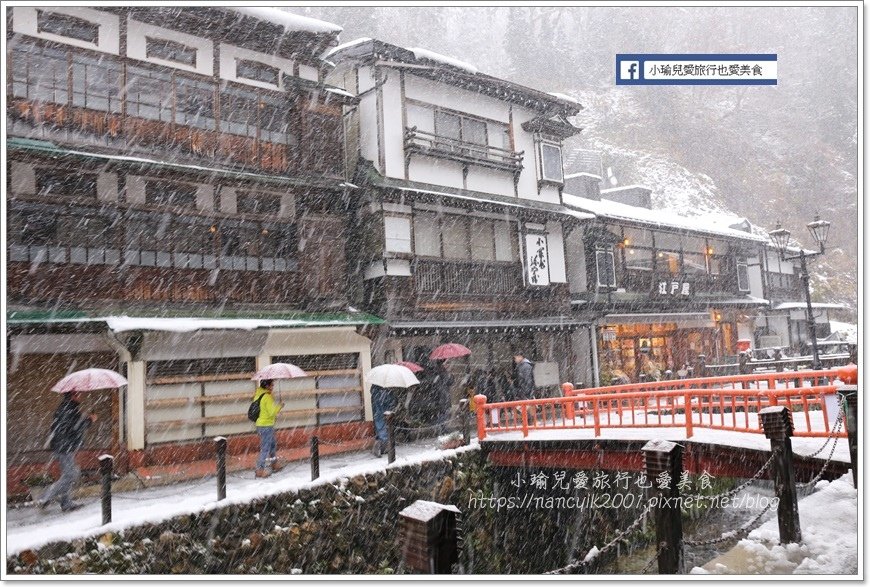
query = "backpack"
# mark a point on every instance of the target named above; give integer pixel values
(254, 409)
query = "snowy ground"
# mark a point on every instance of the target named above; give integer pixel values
(28, 527)
(829, 528)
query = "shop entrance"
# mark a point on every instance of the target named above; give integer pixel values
(625, 349)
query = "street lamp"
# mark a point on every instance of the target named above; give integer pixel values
(780, 237)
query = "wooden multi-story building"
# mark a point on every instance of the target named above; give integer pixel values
(176, 209)
(459, 213)
(651, 282)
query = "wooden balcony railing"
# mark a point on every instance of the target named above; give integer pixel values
(425, 143)
(467, 278)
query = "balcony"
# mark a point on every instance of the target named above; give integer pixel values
(464, 278)
(424, 143)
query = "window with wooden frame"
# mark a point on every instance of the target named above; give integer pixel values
(454, 234)
(194, 102)
(427, 234)
(96, 83)
(149, 93)
(259, 203)
(550, 156)
(637, 245)
(170, 194)
(257, 71)
(397, 234)
(40, 73)
(65, 25)
(742, 275)
(60, 182)
(605, 268)
(170, 51)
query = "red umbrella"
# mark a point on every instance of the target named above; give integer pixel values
(89, 380)
(451, 350)
(414, 367)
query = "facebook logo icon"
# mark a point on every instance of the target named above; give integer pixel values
(629, 70)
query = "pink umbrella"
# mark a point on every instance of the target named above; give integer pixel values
(451, 350)
(279, 371)
(89, 380)
(414, 367)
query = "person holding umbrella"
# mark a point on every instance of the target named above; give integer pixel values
(382, 379)
(68, 430)
(67, 436)
(266, 429)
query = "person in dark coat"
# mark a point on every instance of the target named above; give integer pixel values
(524, 386)
(442, 382)
(383, 401)
(67, 436)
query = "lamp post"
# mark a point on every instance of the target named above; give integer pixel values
(780, 237)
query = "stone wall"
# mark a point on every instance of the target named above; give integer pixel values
(349, 527)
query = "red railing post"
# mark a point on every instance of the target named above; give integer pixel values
(687, 408)
(525, 413)
(479, 404)
(567, 390)
(595, 417)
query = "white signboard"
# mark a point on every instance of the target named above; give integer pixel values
(537, 260)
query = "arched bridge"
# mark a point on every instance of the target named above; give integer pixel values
(715, 418)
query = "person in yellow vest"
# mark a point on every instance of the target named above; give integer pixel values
(266, 429)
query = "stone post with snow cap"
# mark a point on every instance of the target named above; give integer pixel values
(778, 427)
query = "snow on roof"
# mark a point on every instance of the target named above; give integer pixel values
(565, 97)
(290, 21)
(433, 56)
(583, 174)
(344, 46)
(626, 187)
(849, 331)
(662, 218)
(340, 92)
(803, 306)
(126, 323)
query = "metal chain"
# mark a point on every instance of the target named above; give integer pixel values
(726, 536)
(580, 564)
(821, 472)
(742, 486)
(655, 557)
(834, 431)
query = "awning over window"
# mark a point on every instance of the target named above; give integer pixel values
(547, 323)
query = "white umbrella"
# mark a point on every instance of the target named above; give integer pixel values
(392, 376)
(279, 371)
(89, 380)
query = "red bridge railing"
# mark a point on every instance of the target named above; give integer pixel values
(727, 403)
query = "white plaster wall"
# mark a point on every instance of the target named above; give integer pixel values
(308, 72)
(205, 197)
(107, 187)
(556, 250)
(228, 200)
(23, 178)
(491, 181)
(135, 189)
(435, 171)
(575, 261)
(439, 94)
(24, 22)
(777, 265)
(393, 131)
(138, 31)
(528, 184)
(583, 371)
(368, 118)
(230, 54)
(135, 405)
(756, 287)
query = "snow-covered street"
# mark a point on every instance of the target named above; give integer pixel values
(30, 528)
